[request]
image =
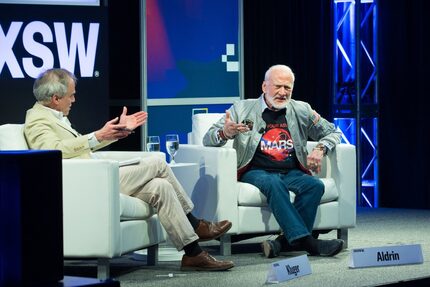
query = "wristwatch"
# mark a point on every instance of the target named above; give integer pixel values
(322, 148)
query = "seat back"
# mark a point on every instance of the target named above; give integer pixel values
(200, 125)
(12, 137)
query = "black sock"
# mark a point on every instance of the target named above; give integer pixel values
(283, 241)
(192, 249)
(193, 220)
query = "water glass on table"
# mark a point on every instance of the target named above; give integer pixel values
(172, 146)
(153, 143)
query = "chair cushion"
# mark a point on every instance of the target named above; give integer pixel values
(12, 137)
(250, 195)
(132, 208)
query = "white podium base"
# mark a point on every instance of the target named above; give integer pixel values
(165, 253)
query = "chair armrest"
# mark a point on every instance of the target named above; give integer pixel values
(341, 166)
(91, 210)
(124, 155)
(216, 191)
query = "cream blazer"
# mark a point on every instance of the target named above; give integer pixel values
(43, 130)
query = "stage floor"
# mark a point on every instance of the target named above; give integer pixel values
(375, 227)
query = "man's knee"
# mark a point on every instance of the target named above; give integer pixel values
(319, 186)
(160, 162)
(153, 162)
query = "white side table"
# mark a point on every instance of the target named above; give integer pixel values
(166, 251)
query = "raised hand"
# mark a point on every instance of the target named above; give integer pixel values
(134, 120)
(231, 129)
(112, 130)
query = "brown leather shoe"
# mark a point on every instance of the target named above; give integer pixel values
(212, 230)
(204, 262)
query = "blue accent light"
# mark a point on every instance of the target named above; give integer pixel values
(357, 117)
(347, 126)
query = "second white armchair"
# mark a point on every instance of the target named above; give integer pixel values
(218, 195)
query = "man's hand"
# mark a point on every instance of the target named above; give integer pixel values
(314, 160)
(115, 130)
(231, 129)
(132, 121)
(112, 130)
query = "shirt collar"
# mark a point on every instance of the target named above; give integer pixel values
(59, 115)
(263, 103)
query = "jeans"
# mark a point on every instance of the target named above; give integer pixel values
(296, 219)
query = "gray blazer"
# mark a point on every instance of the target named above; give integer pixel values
(303, 123)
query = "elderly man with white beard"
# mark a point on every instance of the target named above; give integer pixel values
(270, 136)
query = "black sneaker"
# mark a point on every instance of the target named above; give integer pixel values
(271, 248)
(329, 247)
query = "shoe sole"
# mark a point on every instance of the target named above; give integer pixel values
(190, 268)
(219, 235)
(267, 249)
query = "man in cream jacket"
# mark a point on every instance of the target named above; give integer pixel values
(151, 180)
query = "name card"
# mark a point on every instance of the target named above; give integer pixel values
(288, 269)
(386, 255)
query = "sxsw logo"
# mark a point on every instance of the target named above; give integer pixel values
(43, 43)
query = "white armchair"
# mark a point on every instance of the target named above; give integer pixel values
(98, 221)
(218, 195)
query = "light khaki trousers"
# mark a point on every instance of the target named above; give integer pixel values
(153, 181)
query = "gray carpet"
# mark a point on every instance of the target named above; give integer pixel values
(375, 227)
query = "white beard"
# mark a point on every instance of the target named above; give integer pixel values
(278, 106)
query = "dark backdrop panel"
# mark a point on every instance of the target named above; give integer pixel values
(297, 33)
(124, 43)
(124, 66)
(404, 31)
(90, 111)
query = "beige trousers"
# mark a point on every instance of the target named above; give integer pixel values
(153, 181)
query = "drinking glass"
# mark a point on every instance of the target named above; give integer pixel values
(172, 146)
(153, 143)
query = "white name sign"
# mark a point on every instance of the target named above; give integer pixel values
(386, 255)
(288, 269)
